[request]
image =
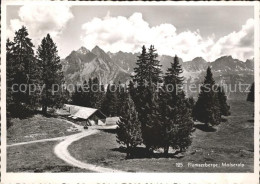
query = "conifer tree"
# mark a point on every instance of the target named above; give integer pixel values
(77, 96)
(191, 103)
(251, 94)
(222, 98)
(151, 120)
(173, 73)
(101, 96)
(10, 72)
(51, 75)
(141, 69)
(109, 106)
(129, 127)
(176, 113)
(206, 109)
(147, 74)
(131, 88)
(94, 93)
(121, 97)
(9, 81)
(24, 65)
(153, 67)
(21, 72)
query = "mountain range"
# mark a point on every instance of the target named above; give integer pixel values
(83, 64)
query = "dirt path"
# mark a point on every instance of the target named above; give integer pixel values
(37, 141)
(61, 151)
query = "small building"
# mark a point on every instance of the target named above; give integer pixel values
(112, 120)
(85, 116)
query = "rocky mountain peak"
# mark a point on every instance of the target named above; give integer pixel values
(97, 50)
(83, 50)
(199, 60)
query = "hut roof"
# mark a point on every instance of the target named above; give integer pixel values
(83, 112)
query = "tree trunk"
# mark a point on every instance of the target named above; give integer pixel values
(44, 109)
(181, 150)
(166, 150)
(127, 151)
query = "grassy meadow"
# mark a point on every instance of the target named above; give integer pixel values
(231, 142)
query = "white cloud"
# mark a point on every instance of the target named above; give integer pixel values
(238, 44)
(129, 34)
(41, 20)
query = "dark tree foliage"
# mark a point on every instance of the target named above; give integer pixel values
(93, 93)
(173, 73)
(191, 103)
(131, 88)
(207, 109)
(121, 97)
(129, 127)
(175, 111)
(90, 94)
(51, 75)
(251, 94)
(147, 75)
(109, 106)
(100, 97)
(9, 81)
(10, 71)
(77, 95)
(150, 118)
(222, 98)
(153, 67)
(141, 69)
(21, 71)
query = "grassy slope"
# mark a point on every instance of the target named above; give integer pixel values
(37, 127)
(232, 142)
(36, 158)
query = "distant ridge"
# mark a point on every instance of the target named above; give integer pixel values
(110, 67)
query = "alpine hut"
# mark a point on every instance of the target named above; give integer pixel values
(85, 115)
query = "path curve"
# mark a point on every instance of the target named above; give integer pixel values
(61, 151)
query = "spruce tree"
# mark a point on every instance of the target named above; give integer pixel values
(153, 67)
(101, 96)
(147, 75)
(24, 67)
(150, 118)
(206, 109)
(121, 97)
(10, 72)
(222, 98)
(129, 127)
(51, 75)
(176, 113)
(173, 74)
(21, 73)
(251, 94)
(77, 96)
(84, 94)
(141, 69)
(10, 103)
(109, 106)
(191, 103)
(94, 93)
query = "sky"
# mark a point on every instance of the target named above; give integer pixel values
(188, 31)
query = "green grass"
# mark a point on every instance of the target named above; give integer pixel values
(233, 142)
(36, 158)
(37, 127)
